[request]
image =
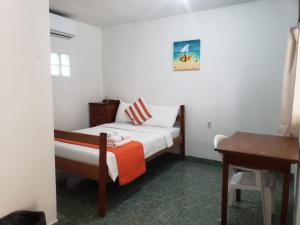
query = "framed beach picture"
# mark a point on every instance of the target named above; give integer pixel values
(186, 55)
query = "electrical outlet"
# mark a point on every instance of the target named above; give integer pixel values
(209, 125)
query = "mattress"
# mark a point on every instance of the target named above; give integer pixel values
(153, 139)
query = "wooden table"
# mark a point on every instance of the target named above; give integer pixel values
(257, 151)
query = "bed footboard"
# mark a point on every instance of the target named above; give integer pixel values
(98, 173)
(103, 175)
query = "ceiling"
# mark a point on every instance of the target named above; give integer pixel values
(112, 12)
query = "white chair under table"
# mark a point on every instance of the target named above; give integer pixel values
(253, 180)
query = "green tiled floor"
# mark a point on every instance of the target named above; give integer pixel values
(172, 192)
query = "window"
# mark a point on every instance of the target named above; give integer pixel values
(60, 65)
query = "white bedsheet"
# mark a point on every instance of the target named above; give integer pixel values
(153, 140)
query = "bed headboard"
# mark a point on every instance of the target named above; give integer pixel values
(181, 119)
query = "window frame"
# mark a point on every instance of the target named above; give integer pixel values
(60, 65)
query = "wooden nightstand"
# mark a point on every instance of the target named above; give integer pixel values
(101, 112)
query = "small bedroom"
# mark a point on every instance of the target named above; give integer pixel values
(162, 112)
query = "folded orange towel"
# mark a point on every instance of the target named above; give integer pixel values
(130, 159)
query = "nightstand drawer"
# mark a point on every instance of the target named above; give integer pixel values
(101, 113)
(97, 109)
(97, 120)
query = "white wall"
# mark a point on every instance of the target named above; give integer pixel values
(27, 179)
(239, 84)
(72, 95)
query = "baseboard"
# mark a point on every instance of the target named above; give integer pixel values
(204, 161)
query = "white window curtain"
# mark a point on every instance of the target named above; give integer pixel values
(290, 102)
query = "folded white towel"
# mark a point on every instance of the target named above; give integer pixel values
(117, 136)
(114, 139)
(117, 144)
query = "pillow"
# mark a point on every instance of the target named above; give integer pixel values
(162, 116)
(121, 116)
(138, 112)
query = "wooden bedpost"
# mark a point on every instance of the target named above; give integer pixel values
(182, 132)
(103, 174)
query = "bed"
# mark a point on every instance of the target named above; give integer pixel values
(85, 161)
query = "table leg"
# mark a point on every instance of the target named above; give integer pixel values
(224, 192)
(285, 197)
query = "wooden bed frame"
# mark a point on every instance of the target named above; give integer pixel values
(100, 173)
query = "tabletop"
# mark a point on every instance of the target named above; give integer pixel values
(277, 147)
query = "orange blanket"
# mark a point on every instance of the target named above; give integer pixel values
(130, 159)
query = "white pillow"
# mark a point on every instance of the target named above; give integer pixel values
(162, 116)
(121, 116)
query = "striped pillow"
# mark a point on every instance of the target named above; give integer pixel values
(138, 112)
